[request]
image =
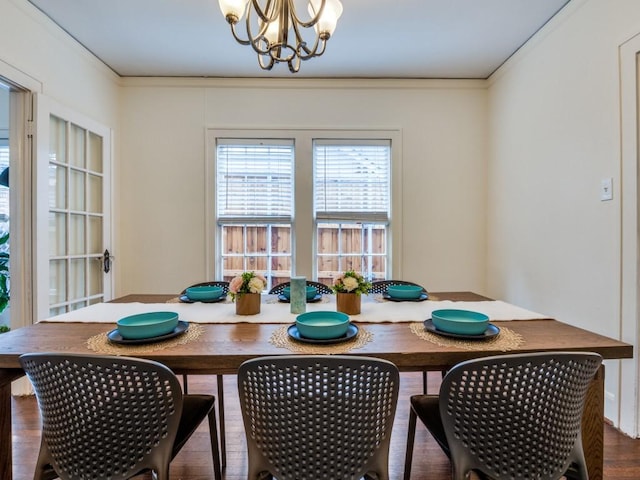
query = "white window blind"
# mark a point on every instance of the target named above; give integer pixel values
(352, 180)
(254, 180)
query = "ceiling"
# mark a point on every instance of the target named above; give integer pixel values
(373, 39)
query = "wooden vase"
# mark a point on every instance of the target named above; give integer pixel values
(348, 303)
(248, 304)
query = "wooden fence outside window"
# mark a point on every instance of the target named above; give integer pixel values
(267, 249)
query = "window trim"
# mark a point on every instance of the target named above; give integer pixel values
(303, 224)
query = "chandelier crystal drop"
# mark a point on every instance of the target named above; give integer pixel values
(277, 33)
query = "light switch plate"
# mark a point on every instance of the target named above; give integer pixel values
(606, 189)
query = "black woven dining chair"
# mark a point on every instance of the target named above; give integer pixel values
(107, 417)
(510, 417)
(321, 287)
(217, 283)
(380, 286)
(318, 417)
(219, 378)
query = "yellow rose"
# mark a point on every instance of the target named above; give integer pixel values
(256, 285)
(350, 284)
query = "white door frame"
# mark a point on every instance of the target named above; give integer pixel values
(21, 141)
(20, 116)
(629, 421)
(21, 154)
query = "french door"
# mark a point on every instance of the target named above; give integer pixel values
(73, 215)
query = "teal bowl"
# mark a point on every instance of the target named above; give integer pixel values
(462, 322)
(322, 325)
(311, 292)
(204, 292)
(147, 325)
(404, 292)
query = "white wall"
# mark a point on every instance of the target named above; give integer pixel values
(39, 55)
(554, 109)
(162, 177)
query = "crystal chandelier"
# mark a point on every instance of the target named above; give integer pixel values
(276, 32)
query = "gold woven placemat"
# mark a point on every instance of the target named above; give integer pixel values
(280, 338)
(101, 344)
(506, 340)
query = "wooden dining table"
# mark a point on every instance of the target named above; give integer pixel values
(222, 347)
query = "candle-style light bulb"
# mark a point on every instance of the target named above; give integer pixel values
(233, 10)
(329, 19)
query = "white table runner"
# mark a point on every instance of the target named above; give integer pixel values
(374, 310)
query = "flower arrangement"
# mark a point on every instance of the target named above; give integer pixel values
(351, 282)
(247, 282)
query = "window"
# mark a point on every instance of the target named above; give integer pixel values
(351, 207)
(254, 182)
(301, 202)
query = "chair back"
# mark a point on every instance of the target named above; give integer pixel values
(517, 416)
(320, 417)
(380, 286)
(222, 284)
(321, 287)
(104, 417)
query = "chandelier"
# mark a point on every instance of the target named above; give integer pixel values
(277, 33)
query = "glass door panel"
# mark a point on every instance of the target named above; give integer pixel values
(95, 277)
(94, 163)
(77, 152)
(76, 190)
(57, 281)
(57, 234)
(77, 234)
(77, 284)
(57, 140)
(94, 234)
(57, 186)
(94, 196)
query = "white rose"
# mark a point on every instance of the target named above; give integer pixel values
(256, 285)
(350, 284)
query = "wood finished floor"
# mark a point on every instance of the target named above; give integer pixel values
(622, 454)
